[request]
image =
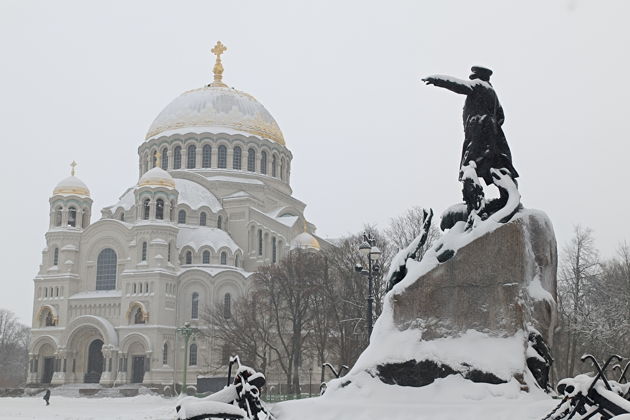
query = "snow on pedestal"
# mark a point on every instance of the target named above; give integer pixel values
(471, 314)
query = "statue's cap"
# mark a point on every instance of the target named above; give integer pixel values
(480, 72)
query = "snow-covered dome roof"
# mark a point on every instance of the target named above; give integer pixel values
(200, 236)
(217, 106)
(71, 186)
(195, 195)
(305, 241)
(157, 177)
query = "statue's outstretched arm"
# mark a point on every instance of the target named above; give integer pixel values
(463, 87)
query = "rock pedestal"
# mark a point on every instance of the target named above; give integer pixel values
(501, 284)
(486, 285)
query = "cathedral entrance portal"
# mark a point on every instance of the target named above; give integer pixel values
(95, 362)
(49, 367)
(137, 369)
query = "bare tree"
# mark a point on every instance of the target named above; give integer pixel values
(403, 229)
(14, 339)
(287, 289)
(245, 331)
(578, 278)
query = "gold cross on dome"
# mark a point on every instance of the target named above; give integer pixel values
(158, 157)
(217, 50)
(73, 170)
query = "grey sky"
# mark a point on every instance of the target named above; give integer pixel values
(84, 80)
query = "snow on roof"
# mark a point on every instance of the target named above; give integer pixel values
(92, 294)
(202, 130)
(285, 219)
(195, 195)
(126, 201)
(199, 236)
(215, 270)
(238, 194)
(235, 179)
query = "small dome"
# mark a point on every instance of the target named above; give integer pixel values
(71, 186)
(217, 106)
(157, 177)
(305, 241)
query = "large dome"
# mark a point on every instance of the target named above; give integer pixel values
(217, 106)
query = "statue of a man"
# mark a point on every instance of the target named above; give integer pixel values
(484, 141)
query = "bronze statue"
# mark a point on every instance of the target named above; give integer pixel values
(484, 141)
(485, 150)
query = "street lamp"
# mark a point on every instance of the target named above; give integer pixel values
(187, 331)
(369, 250)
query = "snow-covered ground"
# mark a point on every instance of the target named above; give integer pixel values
(450, 398)
(142, 407)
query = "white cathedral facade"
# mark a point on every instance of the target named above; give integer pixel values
(213, 202)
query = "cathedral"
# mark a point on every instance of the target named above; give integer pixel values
(212, 203)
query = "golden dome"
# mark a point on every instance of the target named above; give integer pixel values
(217, 106)
(157, 177)
(71, 186)
(305, 241)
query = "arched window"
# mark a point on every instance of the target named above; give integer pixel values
(236, 158)
(177, 157)
(202, 218)
(206, 156)
(188, 257)
(144, 251)
(106, 270)
(56, 257)
(222, 157)
(251, 160)
(135, 288)
(236, 260)
(139, 287)
(138, 317)
(206, 257)
(58, 216)
(260, 242)
(165, 159)
(165, 354)
(274, 163)
(220, 222)
(227, 306)
(159, 209)
(263, 162)
(154, 159)
(282, 169)
(122, 216)
(146, 208)
(72, 217)
(223, 258)
(192, 156)
(274, 250)
(192, 357)
(194, 313)
(181, 217)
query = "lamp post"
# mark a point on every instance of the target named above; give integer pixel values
(187, 331)
(369, 250)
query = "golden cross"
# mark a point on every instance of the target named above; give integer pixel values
(158, 157)
(73, 164)
(217, 50)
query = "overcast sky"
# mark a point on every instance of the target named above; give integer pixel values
(84, 80)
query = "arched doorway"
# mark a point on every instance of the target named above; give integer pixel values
(95, 362)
